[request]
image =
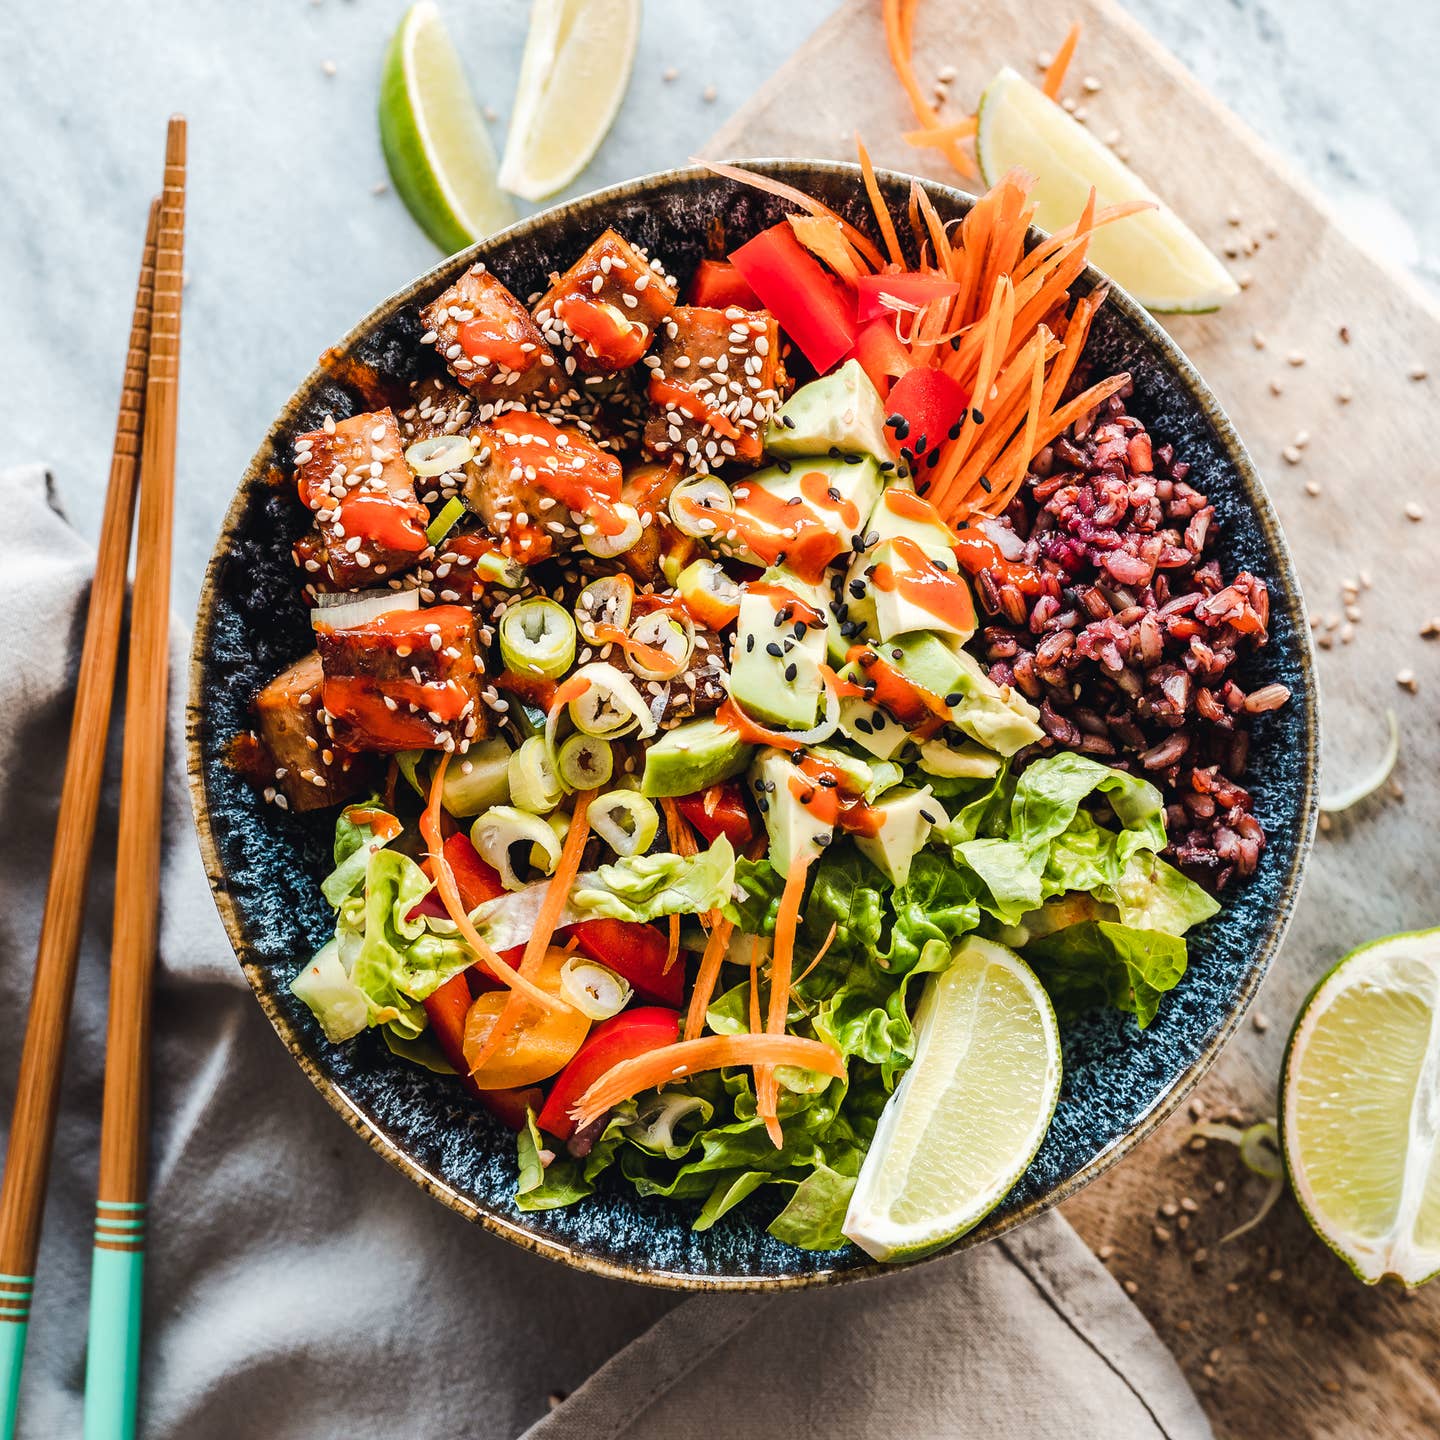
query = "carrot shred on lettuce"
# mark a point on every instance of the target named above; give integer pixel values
(782, 963)
(689, 1057)
(518, 982)
(707, 977)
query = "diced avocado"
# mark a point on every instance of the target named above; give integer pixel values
(880, 573)
(1001, 720)
(858, 774)
(869, 726)
(893, 516)
(906, 818)
(966, 761)
(693, 755)
(797, 835)
(843, 410)
(775, 673)
(794, 505)
(926, 660)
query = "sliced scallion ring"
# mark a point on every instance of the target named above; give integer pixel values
(537, 637)
(604, 546)
(708, 593)
(346, 611)
(534, 785)
(501, 569)
(439, 454)
(606, 601)
(503, 826)
(698, 506)
(446, 520)
(663, 634)
(610, 706)
(595, 990)
(627, 822)
(585, 762)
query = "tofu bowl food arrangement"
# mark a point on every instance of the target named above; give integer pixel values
(755, 725)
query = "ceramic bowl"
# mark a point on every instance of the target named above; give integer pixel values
(265, 864)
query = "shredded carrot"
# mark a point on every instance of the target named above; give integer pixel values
(741, 176)
(782, 960)
(552, 907)
(518, 982)
(756, 1022)
(899, 17)
(706, 978)
(672, 948)
(942, 135)
(1055, 72)
(1056, 424)
(877, 203)
(819, 954)
(1009, 473)
(689, 1057)
(824, 239)
(677, 827)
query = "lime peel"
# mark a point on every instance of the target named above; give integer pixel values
(1351, 795)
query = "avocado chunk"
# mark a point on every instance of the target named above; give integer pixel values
(842, 410)
(895, 515)
(792, 509)
(775, 671)
(870, 727)
(905, 819)
(906, 589)
(965, 761)
(797, 834)
(695, 754)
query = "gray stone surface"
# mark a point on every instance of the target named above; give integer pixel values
(288, 245)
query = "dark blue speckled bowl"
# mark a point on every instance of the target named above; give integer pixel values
(264, 865)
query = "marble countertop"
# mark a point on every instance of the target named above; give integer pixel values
(289, 243)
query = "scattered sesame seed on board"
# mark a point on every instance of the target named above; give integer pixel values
(1258, 340)
(1292, 455)
(1260, 1021)
(1406, 679)
(669, 74)
(329, 67)
(709, 94)
(1414, 510)
(1295, 358)
(1277, 387)
(1344, 395)
(1418, 372)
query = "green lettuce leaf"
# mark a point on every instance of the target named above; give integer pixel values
(354, 845)
(645, 887)
(1100, 962)
(814, 1214)
(1153, 895)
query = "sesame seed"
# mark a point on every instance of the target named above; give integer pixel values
(1413, 511)
(1406, 680)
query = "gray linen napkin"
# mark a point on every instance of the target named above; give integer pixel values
(299, 1287)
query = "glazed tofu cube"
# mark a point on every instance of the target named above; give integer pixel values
(308, 767)
(489, 341)
(407, 680)
(532, 482)
(602, 313)
(715, 379)
(437, 407)
(352, 474)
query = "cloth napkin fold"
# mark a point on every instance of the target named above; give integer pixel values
(297, 1286)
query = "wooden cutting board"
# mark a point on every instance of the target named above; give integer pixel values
(1321, 363)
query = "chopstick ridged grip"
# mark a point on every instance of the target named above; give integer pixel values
(37, 1087)
(113, 1361)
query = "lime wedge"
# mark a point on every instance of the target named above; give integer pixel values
(1154, 255)
(969, 1114)
(578, 55)
(435, 143)
(1361, 1108)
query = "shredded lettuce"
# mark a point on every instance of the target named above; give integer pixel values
(1098, 962)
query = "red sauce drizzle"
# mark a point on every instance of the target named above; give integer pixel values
(608, 335)
(913, 705)
(819, 785)
(938, 592)
(975, 550)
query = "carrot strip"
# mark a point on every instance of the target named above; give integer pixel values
(899, 38)
(826, 241)
(672, 948)
(706, 978)
(1008, 473)
(941, 135)
(883, 217)
(782, 960)
(677, 827)
(741, 176)
(1055, 73)
(819, 954)
(688, 1057)
(551, 909)
(1062, 420)
(756, 1023)
(996, 338)
(518, 982)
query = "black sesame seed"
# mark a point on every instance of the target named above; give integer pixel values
(954, 431)
(886, 466)
(934, 459)
(833, 452)
(897, 654)
(796, 500)
(902, 430)
(857, 543)
(762, 804)
(954, 697)
(985, 484)
(879, 722)
(800, 628)
(787, 421)
(774, 649)
(873, 538)
(852, 459)
(895, 421)
(791, 671)
(829, 782)
(927, 817)
(857, 589)
(954, 342)
(780, 558)
(749, 642)
(920, 445)
(978, 416)
(783, 466)
(850, 629)
(768, 785)
(863, 725)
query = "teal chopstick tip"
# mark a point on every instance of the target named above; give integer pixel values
(12, 1356)
(112, 1365)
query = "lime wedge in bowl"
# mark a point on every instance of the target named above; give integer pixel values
(969, 1114)
(1360, 1103)
(435, 142)
(1154, 254)
(578, 55)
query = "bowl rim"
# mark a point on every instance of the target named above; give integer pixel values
(1257, 497)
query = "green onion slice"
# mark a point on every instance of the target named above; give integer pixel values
(492, 565)
(595, 990)
(698, 506)
(446, 520)
(503, 826)
(606, 601)
(604, 546)
(626, 821)
(478, 779)
(439, 454)
(673, 636)
(537, 637)
(585, 762)
(610, 707)
(534, 784)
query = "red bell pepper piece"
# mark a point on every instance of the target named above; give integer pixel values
(717, 285)
(911, 287)
(881, 355)
(932, 404)
(810, 305)
(635, 951)
(447, 1008)
(720, 810)
(621, 1037)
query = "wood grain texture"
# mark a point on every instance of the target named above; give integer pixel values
(1277, 1336)
(123, 1148)
(32, 1121)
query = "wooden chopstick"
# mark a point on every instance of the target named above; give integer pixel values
(113, 1361)
(32, 1121)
